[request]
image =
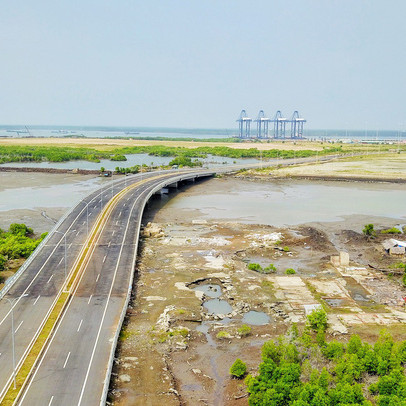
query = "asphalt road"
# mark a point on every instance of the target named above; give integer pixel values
(74, 366)
(73, 369)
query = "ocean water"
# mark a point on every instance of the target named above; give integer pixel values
(150, 132)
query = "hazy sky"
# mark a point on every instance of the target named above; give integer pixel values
(197, 63)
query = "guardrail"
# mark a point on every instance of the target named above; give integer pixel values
(10, 281)
(161, 185)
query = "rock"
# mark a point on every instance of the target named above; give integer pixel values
(124, 378)
(196, 371)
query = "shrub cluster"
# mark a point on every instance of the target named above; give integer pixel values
(17, 242)
(258, 268)
(305, 370)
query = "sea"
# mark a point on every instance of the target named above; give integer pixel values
(368, 136)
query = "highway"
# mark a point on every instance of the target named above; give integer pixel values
(74, 368)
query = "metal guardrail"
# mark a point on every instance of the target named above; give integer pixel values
(10, 281)
(161, 185)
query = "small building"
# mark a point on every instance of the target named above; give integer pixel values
(394, 247)
(397, 251)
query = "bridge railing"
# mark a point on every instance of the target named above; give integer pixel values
(161, 185)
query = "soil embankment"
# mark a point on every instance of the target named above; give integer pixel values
(49, 170)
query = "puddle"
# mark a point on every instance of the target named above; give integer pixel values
(360, 298)
(334, 302)
(204, 328)
(217, 306)
(225, 321)
(256, 318)
(357, 292)
(210, 290)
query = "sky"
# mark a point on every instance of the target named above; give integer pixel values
(198, 63)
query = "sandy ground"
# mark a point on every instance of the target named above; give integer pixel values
(174, 350)
(388, 166)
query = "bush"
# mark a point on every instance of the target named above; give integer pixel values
(244, 330)
(269, 269)
(3, 261)
(255, 267)
(317, 320)
(392, 230)
(369, 230)
(290, 271)
(223, 334)
(20, 229)
(238, 369)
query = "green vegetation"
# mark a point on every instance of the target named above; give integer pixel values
(51, 154)
(17, 242)
(254, 267)
(290, 271)
(305, 370)
(10, 153)
(223, 334)
(286, 249)
(183, 160)
(392, 230)
(163, 336)
(258, 268)
(401, 265)
(238, 369)
(118, 157)
(244, 330)
(369, 230)
(317, 320)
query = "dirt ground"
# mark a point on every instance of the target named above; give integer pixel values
(377, 166)
(176, 349)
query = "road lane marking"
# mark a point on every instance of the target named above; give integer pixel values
(104, 314)
(116, 222)
(98, 276)
(15, 331)
(80, 324)
(90, 213)
(119, 214)
(49, 280)
(50, 402)
(124, 205)
(109, 244)
(104, 258)
(84, 222)
(113, 233)
(36, 300)
(59, 263)
(66, 361)
(90, 298)
(106, 305)
(70, 245)
(77, 233)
